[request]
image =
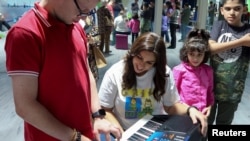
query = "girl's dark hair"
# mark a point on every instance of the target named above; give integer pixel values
(135, 15)
(177, 5)
(197, 40)
(153, 43)
(169, 4)
(240, 1)
(146, 4)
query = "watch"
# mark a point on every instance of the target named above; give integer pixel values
(99, 114)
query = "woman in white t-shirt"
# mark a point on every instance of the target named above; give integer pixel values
(141, 84)
(121, 24)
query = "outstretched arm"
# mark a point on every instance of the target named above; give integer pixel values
(101, 125)
(219, 47)
(195, 115)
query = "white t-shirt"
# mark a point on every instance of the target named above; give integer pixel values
(133, 104)
(120, 24)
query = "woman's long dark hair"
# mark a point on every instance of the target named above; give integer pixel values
(147, 42)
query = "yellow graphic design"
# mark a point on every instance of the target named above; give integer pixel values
(138, 103)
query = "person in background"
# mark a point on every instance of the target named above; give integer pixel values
(117, 7)
(145, 18)
(211, 12)
(104, 30)
(185, 17)
(121, 24)
(193, 77)
(152, 11)
(135, 7)
(134, 25)
(94, 17)
(145, 1)
(245, 15)
(230, 46)
(3, 22)
(173, 14)
(164, 27)
(110, 5)
(142, 83)
(54, 90)
(195, 16)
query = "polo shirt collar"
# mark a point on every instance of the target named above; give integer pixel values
(46, 17)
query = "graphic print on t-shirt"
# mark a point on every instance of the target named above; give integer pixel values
(138, 103)
(132, 106)
(230, 55)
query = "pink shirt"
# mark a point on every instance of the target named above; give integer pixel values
(110, 8)
(134, 25)
(195, 84)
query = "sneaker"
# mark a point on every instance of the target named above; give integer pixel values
(181, 40)
(167, 44)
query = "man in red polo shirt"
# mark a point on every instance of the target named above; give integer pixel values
(54, 90)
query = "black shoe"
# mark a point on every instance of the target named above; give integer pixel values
(181, 40)
(170, 47)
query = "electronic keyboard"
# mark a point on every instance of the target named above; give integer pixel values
(163, 128)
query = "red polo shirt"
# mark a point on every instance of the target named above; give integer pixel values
(56, 53)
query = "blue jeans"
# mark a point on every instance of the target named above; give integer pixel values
(165, 33)
(184, 31)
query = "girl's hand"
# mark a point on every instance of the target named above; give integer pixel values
(198, 116)
(206, 111)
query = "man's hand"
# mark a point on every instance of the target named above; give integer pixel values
(101, 125)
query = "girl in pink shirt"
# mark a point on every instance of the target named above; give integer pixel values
(193, 77)
(134, 25)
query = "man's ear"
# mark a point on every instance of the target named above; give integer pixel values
(221, 10)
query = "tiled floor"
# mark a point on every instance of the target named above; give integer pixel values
(11, 126)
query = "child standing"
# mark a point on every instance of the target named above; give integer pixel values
(134, 25)
(164, 27)
(194, 78)
(230, 42)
